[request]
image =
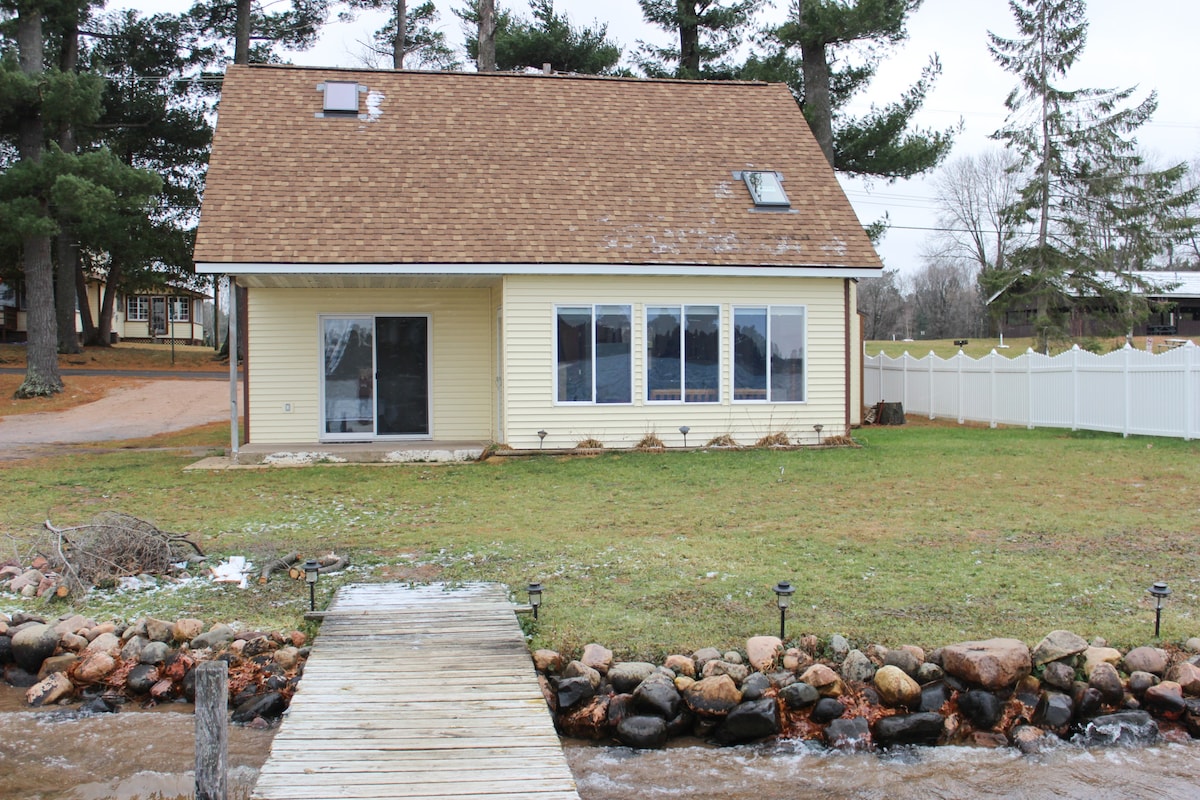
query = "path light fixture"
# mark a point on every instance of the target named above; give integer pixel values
(541, 438)
(684, 430)
(1160, 591)
(818, 428)
(535, 597)
(311, 568)
(783, 598)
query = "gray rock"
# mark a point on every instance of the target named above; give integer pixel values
(755, 686)
(981, 708)
(929, 672)
(573, 690)
(55, 664)
(658, 696)
(620, 706)
(577, 669)
(15, 676)
(219, 635)
(269, 706)
(642, 732)
(799, 695)
(158, 630)
(626, 675)
(739, 672)
(1088, 701)
(934, 696)
(1193, 644)
(1139, 682)
(1165, 698)
(154, 653)
(1125, 728)
(732, 657)
(826, 710)
(704, 655)
(1056, 646)
(903, 659)
(6, 655)
(141, 678)
(132, 649)
(1059, 675)
(22, 617)
(924, 728)
(853, 734)
(1028, 739)
(857, 667)
(32, 645)
(1147, 659)
(749, 722)
(1054, 711)
(839, 648)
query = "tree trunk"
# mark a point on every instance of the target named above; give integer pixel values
(486, 61)
(689, 39)
(816, 95)
(401, 42)
(42, 377)
(86, 323)
(66, 250)
(241, 41)
(107, 302)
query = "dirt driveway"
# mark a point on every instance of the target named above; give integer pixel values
(145, 409)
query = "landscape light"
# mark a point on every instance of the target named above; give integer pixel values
(783, 598)
(818, 428)
(1160, 592)
(684, 430)
(541, 438)
(311, 568)
(535, 597)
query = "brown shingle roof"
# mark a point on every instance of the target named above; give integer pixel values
(464, 168)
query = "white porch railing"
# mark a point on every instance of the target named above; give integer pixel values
(1126, 391)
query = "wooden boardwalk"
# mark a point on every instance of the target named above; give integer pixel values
(421, 692)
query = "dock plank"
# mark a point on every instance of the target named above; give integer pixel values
(389, 706)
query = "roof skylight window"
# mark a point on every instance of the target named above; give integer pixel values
(341, 98)
(766, 189)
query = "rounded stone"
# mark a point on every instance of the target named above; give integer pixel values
(626, 675)
(799, 695)
(1147, 659)
(548, 661)
(1059, 675)
(713, 697)
(1058, 645)
(32, 645)
(598, 657)
(642, 732)
(764, 652)
(857, 667)
(681, 665)
(896, 688)
(1140, 681)
(1107, 681)
(826, 710)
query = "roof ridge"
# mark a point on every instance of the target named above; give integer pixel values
(509, 74)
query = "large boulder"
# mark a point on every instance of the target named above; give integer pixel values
(32, 645)
(1124, 728)
(1094, 656)
(713, 697)
(657, 695)
(548, 661)
(992, 663)
(626, 675)
(857, 668)
(577, 669)
(749, 722)
(799, 695)
(896, 688)
(1058, 645)
(49, 690)
(93, 668)
(1054, 712)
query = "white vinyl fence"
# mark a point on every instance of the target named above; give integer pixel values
(1126, 391)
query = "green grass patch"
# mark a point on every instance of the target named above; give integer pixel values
(928, 534)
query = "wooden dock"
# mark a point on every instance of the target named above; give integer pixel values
(418, 692)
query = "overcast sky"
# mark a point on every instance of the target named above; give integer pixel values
(1151, 44)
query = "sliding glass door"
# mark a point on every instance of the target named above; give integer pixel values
(375, 377)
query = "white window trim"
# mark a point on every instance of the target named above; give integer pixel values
(683, 308)
(554, 354)
(733, 361)
(136, 300)
(176, 303)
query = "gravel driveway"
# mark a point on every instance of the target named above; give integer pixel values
(147, 409)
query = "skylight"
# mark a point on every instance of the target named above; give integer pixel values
(341, 97)
(766, 188)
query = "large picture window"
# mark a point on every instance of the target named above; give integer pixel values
(594, 354)
(683, 345)
(768, 354)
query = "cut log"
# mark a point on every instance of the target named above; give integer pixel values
(276, 565)
(339, 562)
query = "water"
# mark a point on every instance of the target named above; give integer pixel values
(55, 754)
(787, 771)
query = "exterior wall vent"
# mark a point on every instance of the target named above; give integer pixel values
(341, 98)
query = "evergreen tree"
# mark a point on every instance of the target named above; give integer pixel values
(709, 31)
(1094, 207)
(414, 42)
(882, 143)
(547, 38)
(216, 32)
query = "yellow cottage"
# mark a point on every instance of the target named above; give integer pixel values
(533, 260)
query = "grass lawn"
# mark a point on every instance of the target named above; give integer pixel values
(928, 534)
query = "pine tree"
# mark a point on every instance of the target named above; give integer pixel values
(414, 42)
(708, 31)
(547, 38)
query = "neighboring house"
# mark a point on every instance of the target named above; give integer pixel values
(480, 257)
(152, 315)
(1174, 299)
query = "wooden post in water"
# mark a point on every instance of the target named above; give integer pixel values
(212, 726)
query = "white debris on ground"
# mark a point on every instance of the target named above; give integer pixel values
(232, 570)
(302, 458)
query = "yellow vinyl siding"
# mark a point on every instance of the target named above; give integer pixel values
(285, 357)
(529, 334)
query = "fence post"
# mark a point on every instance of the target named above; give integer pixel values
(1126, 352)
(992, 387)
(1074, 387)
(1029, 388)
(930, 357)
(959, 358)
(212, 726)
(904, 379)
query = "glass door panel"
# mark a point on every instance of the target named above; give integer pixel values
(349, 377)
(402, 358)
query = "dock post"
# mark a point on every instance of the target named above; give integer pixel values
(212, 730)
